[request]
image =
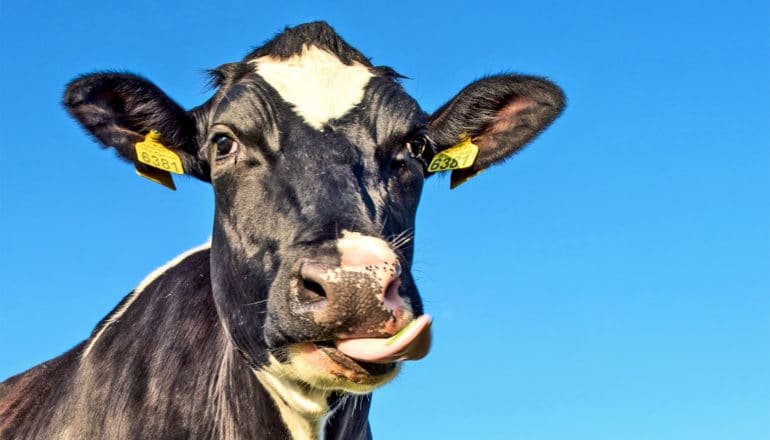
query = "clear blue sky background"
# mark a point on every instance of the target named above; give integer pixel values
(610, 282)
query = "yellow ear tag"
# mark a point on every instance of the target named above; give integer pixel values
(158, 176)
(461, 155)
(155, 154)
(458, 179)
(160, 159)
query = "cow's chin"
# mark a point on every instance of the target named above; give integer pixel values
(323, 366)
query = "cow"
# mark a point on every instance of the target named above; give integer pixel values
(302, 302)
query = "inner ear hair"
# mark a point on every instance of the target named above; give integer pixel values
(518, 121)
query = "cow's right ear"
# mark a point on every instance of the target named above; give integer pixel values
(119, 110)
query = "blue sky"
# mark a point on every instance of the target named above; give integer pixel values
(612, 281)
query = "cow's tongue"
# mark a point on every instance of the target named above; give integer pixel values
(412, 342)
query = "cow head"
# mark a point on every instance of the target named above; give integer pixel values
(317, 159)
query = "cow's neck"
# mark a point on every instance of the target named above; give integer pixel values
(306, 411)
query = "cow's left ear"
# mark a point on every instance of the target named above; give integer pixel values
(498, 114)
(120, 109)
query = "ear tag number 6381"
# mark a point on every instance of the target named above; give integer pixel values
(155, 154)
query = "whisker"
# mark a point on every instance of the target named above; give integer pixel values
(401, 239)
(382, 226)
(393, 239)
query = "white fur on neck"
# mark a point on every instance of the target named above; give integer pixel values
(304, 409)
(317, 83)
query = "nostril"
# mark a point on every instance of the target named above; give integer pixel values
(313, 287)
(391, 299)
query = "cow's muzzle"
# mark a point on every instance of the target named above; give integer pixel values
(364, 323)
(361, 301)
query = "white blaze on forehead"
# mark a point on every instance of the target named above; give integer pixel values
(360, 250)
(317, 83)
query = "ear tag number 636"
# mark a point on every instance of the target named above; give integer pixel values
(462, 155)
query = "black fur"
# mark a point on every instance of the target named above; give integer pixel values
(292, 40)
(179, 360)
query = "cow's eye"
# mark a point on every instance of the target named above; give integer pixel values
(420, 148)
(225, 145)
(417, 146)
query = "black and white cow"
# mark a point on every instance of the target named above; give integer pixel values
(283, 324)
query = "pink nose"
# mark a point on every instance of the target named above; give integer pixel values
(362, 250)
(360, 296)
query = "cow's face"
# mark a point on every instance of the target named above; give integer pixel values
(317, 161)
(317, 171)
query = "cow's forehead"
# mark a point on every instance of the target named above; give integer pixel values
(317, 84)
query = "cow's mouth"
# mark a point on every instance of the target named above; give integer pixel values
(367, 360)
